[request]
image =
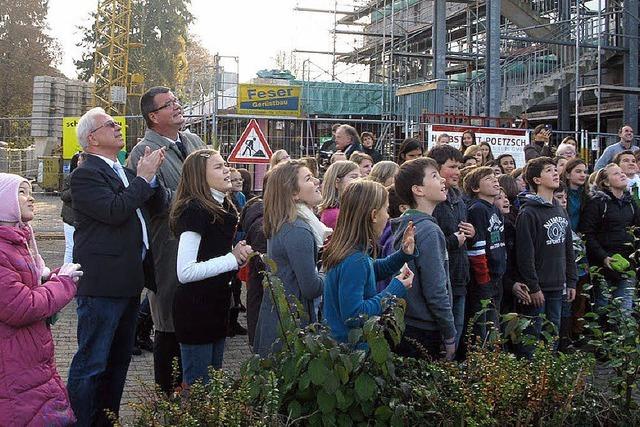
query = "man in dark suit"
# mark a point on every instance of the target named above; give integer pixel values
(111, 242)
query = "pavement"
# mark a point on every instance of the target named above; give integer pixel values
(50, 238)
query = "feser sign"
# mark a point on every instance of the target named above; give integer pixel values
(502, 140)
(270, 100)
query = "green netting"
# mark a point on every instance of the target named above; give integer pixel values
(341, 99)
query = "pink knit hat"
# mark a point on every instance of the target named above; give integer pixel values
(10, 207)
(10, 211)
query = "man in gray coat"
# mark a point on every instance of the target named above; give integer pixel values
(625, 143)
(163, 114)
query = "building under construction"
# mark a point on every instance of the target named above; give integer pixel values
(537, 60)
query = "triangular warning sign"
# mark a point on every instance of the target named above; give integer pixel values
(252, 147)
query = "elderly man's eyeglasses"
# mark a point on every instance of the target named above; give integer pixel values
(172, 103)
(108, 124)
(237, 180)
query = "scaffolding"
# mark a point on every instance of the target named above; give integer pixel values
(111, 57)
(529, 60)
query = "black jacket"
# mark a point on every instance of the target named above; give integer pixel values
(487, 253)
(108, 237)
(605, 222)
(535, 150)
(449, 214)
(352, 148)
(507, 304)
(251, 221)
(67, 202)
(544, 245)
(373, 153)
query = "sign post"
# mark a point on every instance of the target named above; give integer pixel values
(252, 147)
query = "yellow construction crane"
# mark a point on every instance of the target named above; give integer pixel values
(112, 81)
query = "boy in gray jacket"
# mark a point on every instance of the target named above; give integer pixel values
(429, 316)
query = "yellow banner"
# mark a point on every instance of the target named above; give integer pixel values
(269, 100)
(70, 145)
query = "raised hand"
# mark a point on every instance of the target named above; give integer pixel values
(409, 239)
(150, 162)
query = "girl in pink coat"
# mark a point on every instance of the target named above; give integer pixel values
(31, 391)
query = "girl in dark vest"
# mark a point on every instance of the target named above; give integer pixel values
(204, 219)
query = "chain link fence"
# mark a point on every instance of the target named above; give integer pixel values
(23, 153)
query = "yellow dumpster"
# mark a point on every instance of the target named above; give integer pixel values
(50, 178)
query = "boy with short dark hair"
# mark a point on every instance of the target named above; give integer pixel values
(429, 318)
(627, 161)
(544, 248)
(487, 252)
(451, 216)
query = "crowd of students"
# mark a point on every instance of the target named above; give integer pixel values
(460, 229)
(460, 235)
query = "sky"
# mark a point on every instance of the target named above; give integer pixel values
(253, 30)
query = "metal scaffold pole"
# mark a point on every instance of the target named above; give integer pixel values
(577, 78)
(492, 70)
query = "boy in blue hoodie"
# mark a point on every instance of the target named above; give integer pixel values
(544, 246)
(429, 316)
(487, 252)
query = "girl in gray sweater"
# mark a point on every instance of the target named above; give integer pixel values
(294, 236)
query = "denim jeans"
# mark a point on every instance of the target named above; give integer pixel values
(623, 288)
(196, 359)
(106, 333)
(551, 308)
(458, 316)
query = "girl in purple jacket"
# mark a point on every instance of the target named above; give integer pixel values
(31, 391)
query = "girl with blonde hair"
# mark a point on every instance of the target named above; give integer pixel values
(336, 178)
(294, 238)
(475, 151)
(364, 162)
(605, 222)
(350, 281)
(278, 157)
(384, 172)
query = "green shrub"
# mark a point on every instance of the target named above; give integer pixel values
(314, 380)
(221, 402)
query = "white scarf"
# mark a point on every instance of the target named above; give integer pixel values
(218, 195)
(320, 231)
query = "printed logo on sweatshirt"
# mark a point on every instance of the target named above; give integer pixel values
(556, 230)
(496, 228)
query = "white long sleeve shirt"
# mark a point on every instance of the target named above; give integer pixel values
(190, 270)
